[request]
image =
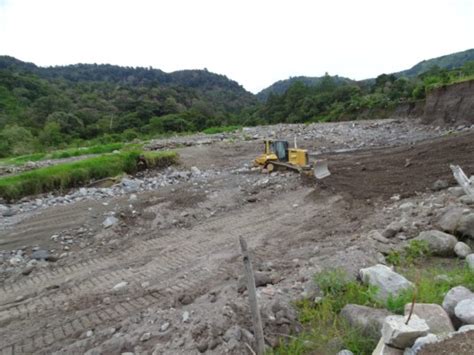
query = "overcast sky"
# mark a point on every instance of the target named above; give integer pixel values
(255, 42)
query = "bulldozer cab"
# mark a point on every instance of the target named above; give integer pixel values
(280, 148)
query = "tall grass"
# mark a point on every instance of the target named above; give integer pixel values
(65, 153)
(221, 129)
(68, 175)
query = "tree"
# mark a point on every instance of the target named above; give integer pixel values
(15, 140)
(50, 135)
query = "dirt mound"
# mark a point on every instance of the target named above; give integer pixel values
(403, 170)
(451, 105)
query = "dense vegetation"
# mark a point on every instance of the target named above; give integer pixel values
(332, 99)
(42, 109)
(58, 106)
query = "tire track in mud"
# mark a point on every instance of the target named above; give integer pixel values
(179, 254)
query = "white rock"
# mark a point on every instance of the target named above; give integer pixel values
(345, 352)
(464, 310)
(454, 296)
(120, 286)
(164, 327)
(400, 335)
(466, 328)
(470, 261)
(145, 337)
(89, 333)
(462, 249)
(109, 221)
(195, 171)
(186, 316)
(387, 281)
(422, 341)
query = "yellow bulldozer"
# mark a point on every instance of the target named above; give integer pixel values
(278, 155)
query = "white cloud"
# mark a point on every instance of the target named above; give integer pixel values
(254, 42)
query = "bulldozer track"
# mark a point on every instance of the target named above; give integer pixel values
(179, 255)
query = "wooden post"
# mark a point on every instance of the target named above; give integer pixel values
(257, 321)
(462, 180)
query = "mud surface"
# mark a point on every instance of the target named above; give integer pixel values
(170, 266)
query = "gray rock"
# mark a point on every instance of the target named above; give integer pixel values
(376, 235)
(434, 315)
(387, 281)
(195, 171)
(392, 229)
(450, 219)
(261, 279)
(233, 332)
(145, 337)
(120, 286)
(454, 296)
(467, 200)
(400, 335)
(186, 316)
(345, 352)
(466, 225)
(130, 185)
(164, 327)
(462, 249)
(384, 349)
(40, 254)
(464, 310)
(466, 328)
(439, 185)
(368, 320)
(9, 212)
(109, 221)
(470, 261)
(422, 341)
(439, 243)
(456, 191)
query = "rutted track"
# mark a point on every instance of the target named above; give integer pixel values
(180, 262)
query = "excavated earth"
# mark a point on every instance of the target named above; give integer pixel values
(165, 278)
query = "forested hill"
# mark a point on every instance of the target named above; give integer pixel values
(449, 61)
(281, 86)
(57, 105)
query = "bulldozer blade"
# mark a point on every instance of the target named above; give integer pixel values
(321, 169)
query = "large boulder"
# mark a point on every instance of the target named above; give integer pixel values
(439, 243)
(454, 296)
(434, 315)
(396, 333)
(464, 310)
(466, 225)
(368, 320)
(387, 281)
(450, 219)
(462, 249)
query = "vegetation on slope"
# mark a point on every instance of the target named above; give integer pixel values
(68, 175)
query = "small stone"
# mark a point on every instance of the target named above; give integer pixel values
(145, 337)
(40, 254)
(89, 333)
(345, 352)
(422, 341)
(462, 249)
(164, 327)
(466, 328)
(9, 212)
(464, 310)
(186, 317)
(400, 335)
(120, 286)
(439, 185)
(392, 229)
(109, 221)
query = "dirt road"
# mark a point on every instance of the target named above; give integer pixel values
(174, 258)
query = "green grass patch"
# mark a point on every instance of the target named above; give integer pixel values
(68, 153)
(68, 175)
(221, 129)
(326, 332)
